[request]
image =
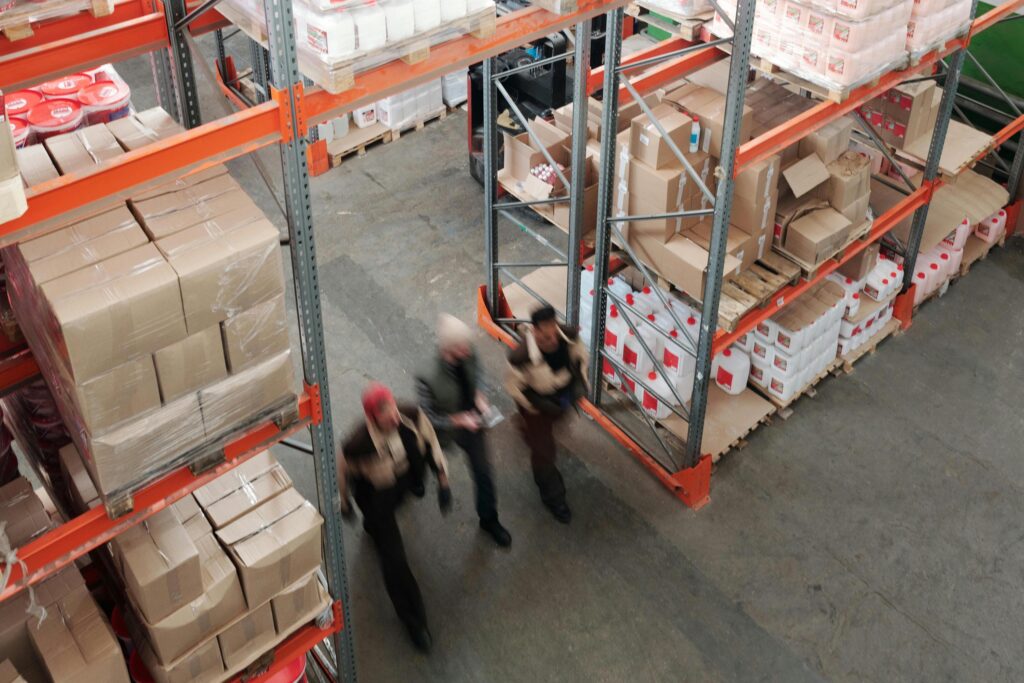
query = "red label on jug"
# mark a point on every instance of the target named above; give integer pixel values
(650, 403)
(724, 378)
(629, 357)
(610, 339)
(671, 360)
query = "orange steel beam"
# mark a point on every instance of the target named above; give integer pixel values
(596, 80)
(16, 369)
(672, 70)
(1014, 127)
(56, 549)
(91, 42)
(209, 144)
(513, 30)
(787, 295)
(297, 645)
(995, 15)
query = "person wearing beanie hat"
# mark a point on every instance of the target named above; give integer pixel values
(450, 396)
(546, 375)
(382, 458)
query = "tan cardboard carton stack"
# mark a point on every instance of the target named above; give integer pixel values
(824, 196)
(160, 327)
(238, 574)
(904, 114)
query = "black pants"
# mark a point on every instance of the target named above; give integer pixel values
(475, 446)
(378, 508)
(538, 431)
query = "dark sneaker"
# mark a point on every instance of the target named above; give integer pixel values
(420, 637)
(496, 531)
(562, 513)
(418, 489)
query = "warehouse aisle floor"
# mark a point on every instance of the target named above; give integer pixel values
(876, 535)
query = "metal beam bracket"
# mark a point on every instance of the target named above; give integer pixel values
(315, 406)
(284, 107)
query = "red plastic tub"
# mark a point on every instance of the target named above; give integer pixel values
(53, 117)
(105, 101)
(20, 102)
(67, 87)
(20, 131)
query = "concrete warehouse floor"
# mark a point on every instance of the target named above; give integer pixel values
(874, 536)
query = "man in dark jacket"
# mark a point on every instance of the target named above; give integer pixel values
(450, 396)
(546, 376)
(381, 459)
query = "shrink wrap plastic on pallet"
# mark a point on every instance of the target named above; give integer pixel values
(16, 16)
(933, 22)
(679, 8)
(836, 47)
(337, 39)
(405, 109)
(135, 346)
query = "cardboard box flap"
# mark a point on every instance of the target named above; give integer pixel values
(268, 532)
(239, 477)
(79, 256)
(76, 234)
(182, 183)
(9, 674)
(252, 494)
(805, 175)
(139, 259)
(75, 641)
(185, 508)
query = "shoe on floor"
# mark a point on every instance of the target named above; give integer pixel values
(496, 531)
(561, 512)
(418, 489)
(420, 637)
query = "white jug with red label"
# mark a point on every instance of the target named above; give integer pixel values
(730, 369)
(655, 396)
(615, 331)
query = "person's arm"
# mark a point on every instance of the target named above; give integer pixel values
(516, 384)
(435, 458)
(428, 404)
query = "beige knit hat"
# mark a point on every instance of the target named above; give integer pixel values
(452, 332)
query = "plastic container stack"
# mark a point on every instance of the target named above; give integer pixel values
(835, 44)
(791, 349)
(406, 109)
(933, 22)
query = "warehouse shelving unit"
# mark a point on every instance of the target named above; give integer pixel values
(687, 473)
(138, 27)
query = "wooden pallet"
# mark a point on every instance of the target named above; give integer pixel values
(783, 408)
(16, 23)
(868, 348)
(357, 142)
(976, 250)
(754, 288)
(809, 270)
(686, 28)
(832, 94)
(420, 124)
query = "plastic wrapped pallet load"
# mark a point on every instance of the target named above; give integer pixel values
(156, 351)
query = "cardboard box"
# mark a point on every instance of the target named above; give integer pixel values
(160, 566)
(144, 128)
(35, 165)
(220, 603)
(299, 603)
(560, 212)
(221, 273)
(242, 642)
(22, 512)
(9, 674)
(668, 187)
(133, 452)
(790, 208)
(201, 665)
(80, 487)
(645, 140)
(136, 310)
(805, 175)
(274, 545)
(817, 236)
(191, 180)
(257, 334)
(829, 141)
(755, 216)
(244, 488)
(219, 199)
(760, 179)
(83, 149)
(680, 261)
(849, 178)
(856, 211)
(76, 234)
(241, 398)
(709, 107)
(914, 107)
(521, 155)
(185, 510)
(739, 244)
(194, 362)
(118, 395)
(15, 644)
(72, 258)
(75, 642)
(662, 229)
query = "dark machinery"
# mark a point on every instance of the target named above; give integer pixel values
(536, 91)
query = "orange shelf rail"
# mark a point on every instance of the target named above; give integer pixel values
(297, 645)
(60, 547)
(17, 367)
(81, 41)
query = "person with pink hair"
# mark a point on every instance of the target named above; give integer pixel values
(382, 459)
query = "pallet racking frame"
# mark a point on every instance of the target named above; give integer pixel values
(286, 120)
(688, 476)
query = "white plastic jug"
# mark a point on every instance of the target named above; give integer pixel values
(945, 261)
(371, 28)
(649, 397)
(852, 304)
(610, 374)
(650, 299)
(879, 284)
(956, 258)
(615, 331)
(619, 287)
(990, 229)
(682, 310)
(934, 277)
(958, 238)
(641, 306)
(331, 35)
(677, 361)
(655, 340)
(746, 343)
(427, 15)
(633, 355)
(762, 351)
(759, 375)
(401, 18)
(782, 388)
(587, 278)
(453, 9)
(731, 368)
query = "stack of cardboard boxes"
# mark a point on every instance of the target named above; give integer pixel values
(904, 114)
(221, 576)
(159, 325)
(824, 199)
(56, 632)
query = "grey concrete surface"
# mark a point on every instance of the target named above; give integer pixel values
(875, 536)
